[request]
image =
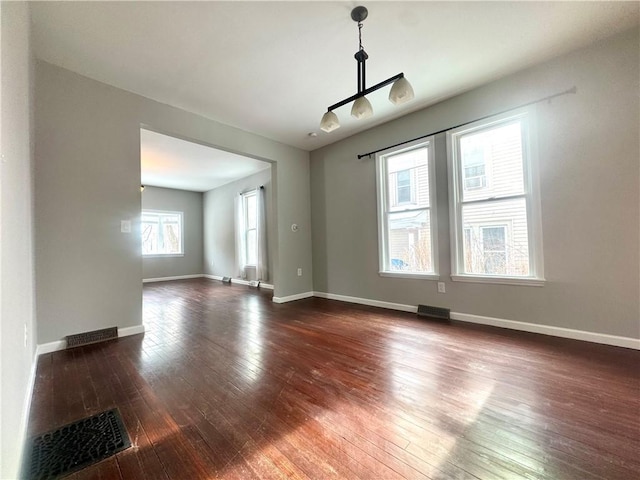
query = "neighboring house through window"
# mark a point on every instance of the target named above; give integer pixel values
(404, 187)
(475, 168)
(162, 233)
(494, 205)
(406, 200)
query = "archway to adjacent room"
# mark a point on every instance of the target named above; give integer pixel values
(190, 195)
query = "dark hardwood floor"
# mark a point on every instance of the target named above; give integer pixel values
(225, 383)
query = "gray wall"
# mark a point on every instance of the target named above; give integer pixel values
(16, 235)
(190, 203)
(588, 155)
(219, 225)
(87, 179)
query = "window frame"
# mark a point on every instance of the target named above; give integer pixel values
(163, 212)
(531, 195)
(385, 207)
(245, 215)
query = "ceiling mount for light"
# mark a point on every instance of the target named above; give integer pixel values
(401, 91)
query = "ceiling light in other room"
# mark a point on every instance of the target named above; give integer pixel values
(401, 91)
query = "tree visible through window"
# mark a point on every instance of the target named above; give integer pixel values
(161, 233)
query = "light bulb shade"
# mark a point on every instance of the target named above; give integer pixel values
(361, 108)
(329, 122)
(401, 91)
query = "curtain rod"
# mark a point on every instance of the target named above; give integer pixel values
(261, 187)
(571, 90)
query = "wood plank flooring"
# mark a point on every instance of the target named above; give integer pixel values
(227, 384)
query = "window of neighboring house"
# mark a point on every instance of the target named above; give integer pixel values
(406, 200)
(496, 224)
(249, 202)
(485, 249)
(474, 168)
(403, 187)
(161, 233)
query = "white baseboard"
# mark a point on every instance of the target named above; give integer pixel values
(62, 344)
(134, 330)
(24, 421)
(166, 279)
(50, 347)
(366, 301)
(593, 337)
(291, 298)
(239, 281)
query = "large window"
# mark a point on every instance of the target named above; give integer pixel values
(250, 212)
(406, 201)
(495, 202)
(161, 233)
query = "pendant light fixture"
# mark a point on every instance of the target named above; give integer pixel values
(401, 91)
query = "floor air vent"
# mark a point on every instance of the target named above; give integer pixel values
(434, 312)
(76, 445)
(96, 336)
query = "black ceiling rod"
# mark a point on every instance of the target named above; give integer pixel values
(548, 98)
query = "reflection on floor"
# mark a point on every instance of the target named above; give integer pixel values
(227, 384)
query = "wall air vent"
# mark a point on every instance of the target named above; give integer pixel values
(80, 339)
(434, 312)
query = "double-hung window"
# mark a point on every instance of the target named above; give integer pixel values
(494, 201)
(406, 202)
(161, 233)
(250, 212)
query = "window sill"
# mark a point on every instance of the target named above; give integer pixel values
(416, 276)
(525, 281)
(162, 255)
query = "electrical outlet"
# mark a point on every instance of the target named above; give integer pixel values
(26, 335)
(299, 272)
(441, 287)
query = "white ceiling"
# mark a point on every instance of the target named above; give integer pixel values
(273, 68)
(173, 163)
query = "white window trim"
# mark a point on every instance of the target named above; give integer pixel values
(166, 255)
(531, 195)
(382, 220)
(245, 195)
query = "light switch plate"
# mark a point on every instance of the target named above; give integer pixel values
(125, 226)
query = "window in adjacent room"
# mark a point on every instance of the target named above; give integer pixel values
(494, 204)
(161, 233)
(250, 211)
(406, 201)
